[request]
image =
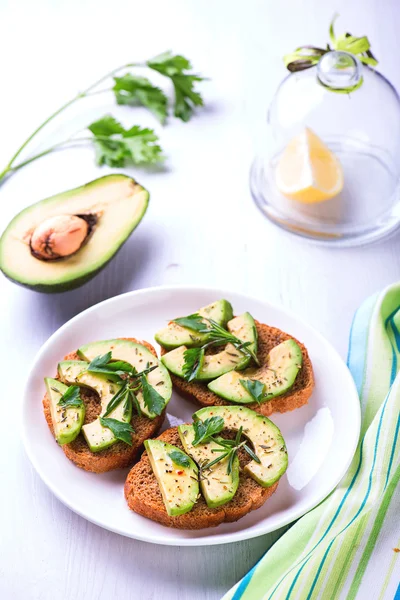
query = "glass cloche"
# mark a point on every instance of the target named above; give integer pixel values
(328, 165)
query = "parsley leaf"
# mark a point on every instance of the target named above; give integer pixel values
(113, 370)
(193, 358)
(174, 67)
(152, 399)
(168, 64)
(71, 398)
(116, 146)
(121, 365)
(133, 90)
(205, 429)
(255, 388)
(194, 322)
(100, 361)
(122, 431)
(185, 96)
(179, 458)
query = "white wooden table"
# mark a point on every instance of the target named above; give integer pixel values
(49, 50)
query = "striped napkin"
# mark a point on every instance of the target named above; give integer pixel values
(348, 547)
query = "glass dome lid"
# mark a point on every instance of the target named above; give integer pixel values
(328, 163)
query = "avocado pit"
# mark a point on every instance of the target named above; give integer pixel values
(60, 236)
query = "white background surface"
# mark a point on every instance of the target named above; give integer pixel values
(201, 228)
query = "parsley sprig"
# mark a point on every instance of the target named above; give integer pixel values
(216, 336)
(131, 381)
(255, 388)
(121, 430)
(71, 398)
(114, 145)
(204, 430)
(179, 458)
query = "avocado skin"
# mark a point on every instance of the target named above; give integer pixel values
(72, 284)
(56, 288)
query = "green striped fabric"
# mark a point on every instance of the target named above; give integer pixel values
(348, 547)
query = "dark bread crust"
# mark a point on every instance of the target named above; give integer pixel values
(143, 495)
(118, 456)
(268, 337)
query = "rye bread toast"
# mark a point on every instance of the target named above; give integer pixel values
(268, 337)
(143, 495)
(119, 455)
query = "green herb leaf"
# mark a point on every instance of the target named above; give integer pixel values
(152, 399)
(100, 361)
(230, 449)
(179, 458)
(117, 399)
(216, 460)
(121, 365)
(238, 436)
(117, 147)
(251, 453)
(121, 430)
(113, 370)
(205, 429)
(255, 388)
(134, 90)
(193, 358)
(194, 322)
(219, 336)
(223, 442)
(186, 98)
(136, 404)
(175, 67)
(230, 461)
(71, 398)
(128, 404)
(168, 64)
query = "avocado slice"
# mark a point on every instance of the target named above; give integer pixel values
(268, 443)
(67, 422)
(139, 357)
(217, 486)
(109, 209)
(175, 335)
(97, 436)
(178, 482)
(68, 370)
(214, 365)
(278, 375)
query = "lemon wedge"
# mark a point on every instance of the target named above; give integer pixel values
(308, 171)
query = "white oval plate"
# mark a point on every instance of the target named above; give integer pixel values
(321, 437)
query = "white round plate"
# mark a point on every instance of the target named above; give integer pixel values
(321, 437)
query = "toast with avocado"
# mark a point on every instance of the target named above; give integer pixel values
(217, 469)
(107, 398)
(236, 360)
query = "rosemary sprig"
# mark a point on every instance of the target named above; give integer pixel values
(229, 449)
(219, 336)
(216, 336)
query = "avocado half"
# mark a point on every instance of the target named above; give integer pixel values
(111, 208)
